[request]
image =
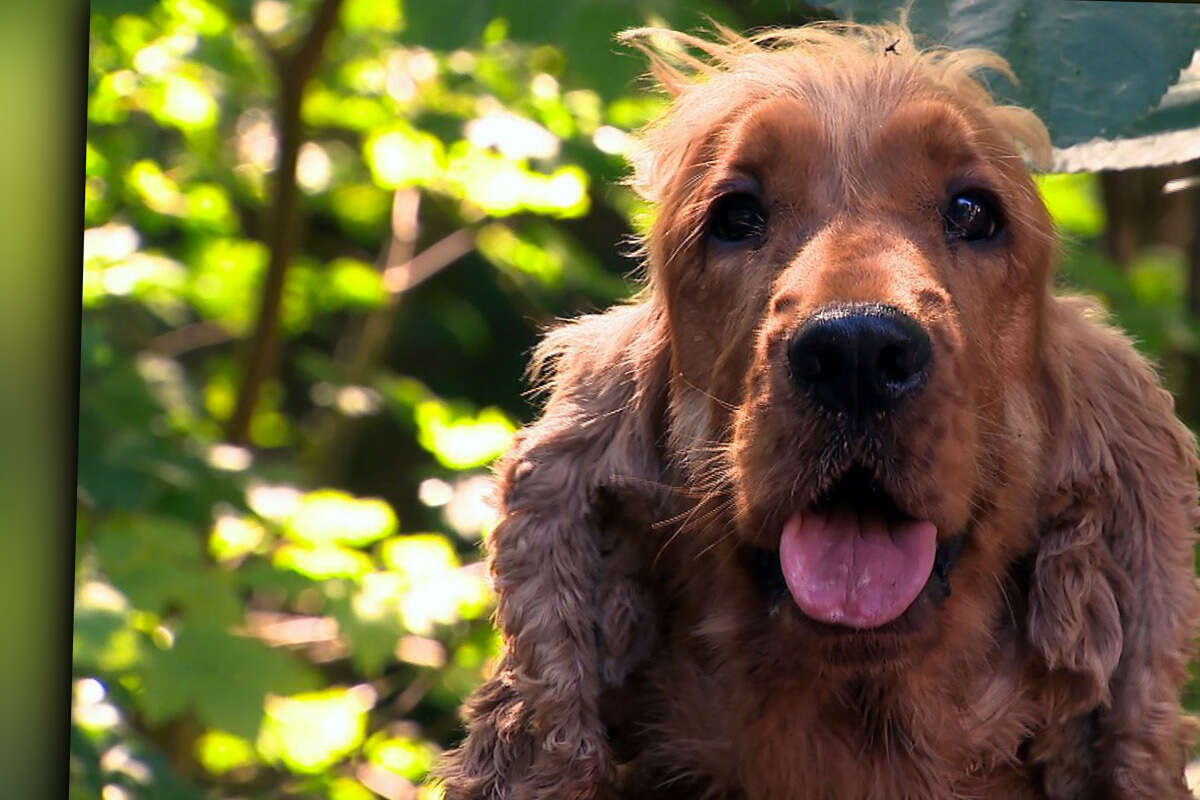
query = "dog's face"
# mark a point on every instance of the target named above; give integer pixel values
(855, 275)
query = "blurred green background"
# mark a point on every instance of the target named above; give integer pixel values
(320, 240)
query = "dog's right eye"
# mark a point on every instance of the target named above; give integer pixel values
(973, 216)
(737, 217)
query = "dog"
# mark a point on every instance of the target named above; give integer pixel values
(846, 503)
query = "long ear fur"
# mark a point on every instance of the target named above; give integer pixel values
(1114, 603)
(573, 622)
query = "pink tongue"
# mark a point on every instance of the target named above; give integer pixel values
(855, 569)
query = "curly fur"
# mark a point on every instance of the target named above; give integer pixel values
(643, 660)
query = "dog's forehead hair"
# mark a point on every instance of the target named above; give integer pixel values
(832, 150)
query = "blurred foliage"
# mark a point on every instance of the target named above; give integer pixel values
(301, 616)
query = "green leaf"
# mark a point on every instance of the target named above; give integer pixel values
(103, 637)
(158, 564)
(145, 557)
(361, 208)
(322, 561)
(402, 157)
(206, 18)
(221, 751)
(223, 678)
(429, 584)
(208, 208)
(310, 732)
(331, 516)
(349, 789)
(462, 440)
(233, 537)
(183, 102)
(409, 758)
(1087, 69)
(225, 274)
(367, 15)
(350, 283)
(369, 619)
(419, 555)
(1073, 202)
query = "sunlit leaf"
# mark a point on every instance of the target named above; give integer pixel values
(331, 516)
(103, 637)
(350, 283)
(1073, 201)
(155, 189)
(369, 619)
(403, 157)
(632, 112)
(207, 207)
(270, 428)
(348, 789)
(132, 32)
(206, 18)
(323, 561)
(409, 758)
(310, 732)
(500, 245)
(96, 205)
(110, 102)
(462, 441)
(323, 106)
(362, 208)
(220, 752)
(94, 164)
(224, 278)
(314, 168)
(512, 135)
(364, 15)
(154, 279)
(234, 536)
(433, 588)
(501, 186)
(183, 102)
(419, 555)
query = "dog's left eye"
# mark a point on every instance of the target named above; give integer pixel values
(737, 217)
(972, 216)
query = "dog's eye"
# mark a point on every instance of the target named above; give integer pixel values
(972, 216)
(737, 217)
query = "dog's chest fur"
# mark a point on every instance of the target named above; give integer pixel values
(709, 715)
(781, 743)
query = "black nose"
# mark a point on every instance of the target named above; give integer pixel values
(859, 359)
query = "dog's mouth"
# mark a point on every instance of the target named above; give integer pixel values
(855, 558)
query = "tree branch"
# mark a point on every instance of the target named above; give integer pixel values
(360, 359)
(177, 341)
(260, 353)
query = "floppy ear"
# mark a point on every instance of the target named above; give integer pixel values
(572, 615)
(1113, 602)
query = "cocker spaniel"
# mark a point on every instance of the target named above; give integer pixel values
(847, 504)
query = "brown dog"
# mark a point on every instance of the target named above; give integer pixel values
(847, 504)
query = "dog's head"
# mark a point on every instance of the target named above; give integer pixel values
(855, 265)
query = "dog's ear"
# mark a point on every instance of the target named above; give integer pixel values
(1114, 602)
(574, 622)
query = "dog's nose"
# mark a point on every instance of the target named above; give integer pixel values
(859, 359)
